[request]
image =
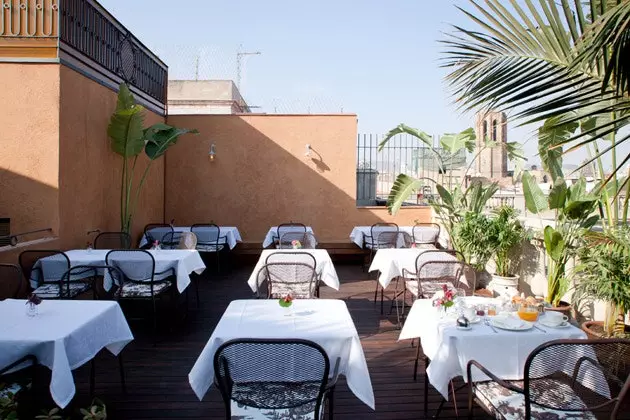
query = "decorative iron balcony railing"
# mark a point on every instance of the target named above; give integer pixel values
(87, 37)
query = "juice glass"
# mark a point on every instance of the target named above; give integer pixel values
(528, 313)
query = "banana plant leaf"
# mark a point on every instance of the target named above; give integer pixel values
(160, 137)
(558, 194)
(535, 199)
(125, 128)
(403, 187)
(554, 243)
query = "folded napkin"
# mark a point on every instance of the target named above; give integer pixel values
(507, 322)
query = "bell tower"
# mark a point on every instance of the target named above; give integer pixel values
(491, 162)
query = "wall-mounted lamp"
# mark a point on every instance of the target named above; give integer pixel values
(308, 151)
(213, 152)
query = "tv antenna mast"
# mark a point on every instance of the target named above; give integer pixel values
(240, 56)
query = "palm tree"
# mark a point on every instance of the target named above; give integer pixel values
(548, 61)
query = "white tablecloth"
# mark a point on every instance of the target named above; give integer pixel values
(449, 349)
(427, 234)
(273, 231)
(63, 336)
(324, 268)
(185, 261)
(231, 233)
(390, 262)
(325, 322)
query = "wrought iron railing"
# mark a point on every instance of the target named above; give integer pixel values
(96, 34)
(90, 35)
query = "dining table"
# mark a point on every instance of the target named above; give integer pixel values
(184, 262)
(63, 335)
(326, 322)
(272, 234)
(421, 234)
(449, 348)
(231, 233)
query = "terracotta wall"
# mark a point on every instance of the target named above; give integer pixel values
(90, 173)
(261, 176)
(29, 162)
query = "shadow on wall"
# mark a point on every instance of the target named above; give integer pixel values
(261, 176)
(31, 205)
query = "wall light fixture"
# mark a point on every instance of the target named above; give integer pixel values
(213, 152)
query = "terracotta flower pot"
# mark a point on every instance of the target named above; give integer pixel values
(563, 307)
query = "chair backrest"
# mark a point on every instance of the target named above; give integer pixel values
(44, 266)
(136, 265)
(377, 228)
(171, 240)
(291, 257)
(187, 240)
(10, 281)
(95, 276)
(306, 239)
(207, 233)
(440, 272)
(156, 231)
(289, 227)
(385, 239)
(597, 372)
(112, 240)
(426, 233)
(294, 278)
(272, 374)
(405, 240)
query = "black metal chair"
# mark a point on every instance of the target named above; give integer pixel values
(209, 239)
(253, 374)
(11, 281)
(286, 228)
(563, 379)
(306, 240)
(382, 240)
(46, 268)
(140, 280)
(295, 278)
(171, 240)
(112, 240)
(426, 234)
(155, 232)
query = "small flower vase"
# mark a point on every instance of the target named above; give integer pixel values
(31, 309)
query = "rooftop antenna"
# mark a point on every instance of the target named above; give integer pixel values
(197, 66)
(240, 55)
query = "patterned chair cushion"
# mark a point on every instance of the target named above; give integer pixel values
(245, 412)
(9, 390)
(428, 288)
(210, 248)
(51, 290)
(506, 404)
(136, 290)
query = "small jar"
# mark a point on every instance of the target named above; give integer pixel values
(480, 310)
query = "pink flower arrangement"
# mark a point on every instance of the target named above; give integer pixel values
(296, 244)
(447, 298)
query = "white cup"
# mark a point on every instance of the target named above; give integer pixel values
(469, 312)
(555, 318)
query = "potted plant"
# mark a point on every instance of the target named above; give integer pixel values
(474, 240)
(506, 232)
(574, 213)
(604, 274)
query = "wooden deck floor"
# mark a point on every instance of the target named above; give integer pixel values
(157, 377)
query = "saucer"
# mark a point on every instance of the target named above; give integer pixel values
(564, 324)
(468, 328)
(475, 320)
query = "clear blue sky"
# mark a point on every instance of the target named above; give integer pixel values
(376, 58)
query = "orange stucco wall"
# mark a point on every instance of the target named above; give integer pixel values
(90, 173)
(261, 176)
(29, 162)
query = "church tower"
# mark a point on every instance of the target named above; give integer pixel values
(492, 162)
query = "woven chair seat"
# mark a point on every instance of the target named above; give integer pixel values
(429, 288)
(8, 391)
(210, 247)
(138, 290)
(509, 405)
(276, 395)
(51, 290)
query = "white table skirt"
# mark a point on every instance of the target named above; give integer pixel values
(324, 266)
(427, 234)
(231, 233)
(449, 349)
(63, 336)
(391, 262)
(325, 322)
(272, 232)
(185, 261)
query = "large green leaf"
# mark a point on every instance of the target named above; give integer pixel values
(446, 196)
(554, 243)
(160, 137)
(403, 187)
(558, 194)
(125, 131)
(579, 209)
(535, 199)
(550, 135)
(453, 143)
(402, 128)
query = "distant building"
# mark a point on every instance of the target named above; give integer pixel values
(205, 97)
(491, 162)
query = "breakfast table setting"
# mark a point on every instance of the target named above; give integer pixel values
(498, 334)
